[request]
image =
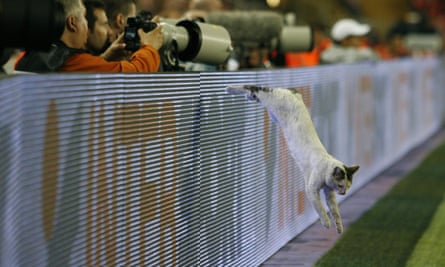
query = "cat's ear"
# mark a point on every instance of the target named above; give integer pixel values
(351, 170)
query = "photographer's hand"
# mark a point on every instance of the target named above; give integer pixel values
(154, 38)
(117, 51)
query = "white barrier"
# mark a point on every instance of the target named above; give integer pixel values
(167, 169)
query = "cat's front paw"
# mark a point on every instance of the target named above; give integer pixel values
(325, 221)
(339, 227)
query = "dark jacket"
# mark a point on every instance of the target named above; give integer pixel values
(51, 61)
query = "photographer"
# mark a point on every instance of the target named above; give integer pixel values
(118, 11)
(99, 31)
(348, 45)
(100, 34)
(69, 54)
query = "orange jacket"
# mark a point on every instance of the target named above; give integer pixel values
(146, 59)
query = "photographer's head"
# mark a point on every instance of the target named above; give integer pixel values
(118, 11)
(349, 32)
(75, 33)
(99, 31)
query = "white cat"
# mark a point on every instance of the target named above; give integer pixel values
(322, 171)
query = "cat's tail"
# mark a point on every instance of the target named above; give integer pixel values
(247, 90)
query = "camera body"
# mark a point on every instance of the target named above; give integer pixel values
(141, 21)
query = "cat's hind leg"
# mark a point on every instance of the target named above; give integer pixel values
(331, 200)
(313, 194)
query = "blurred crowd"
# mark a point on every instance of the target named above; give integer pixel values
(94, 32)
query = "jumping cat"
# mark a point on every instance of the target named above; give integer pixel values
(321, 170)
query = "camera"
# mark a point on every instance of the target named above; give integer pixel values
(295, 39)
(255, 33)
(30, 24)
(141, 21)
(423, 42)
(184, 40)
(194, 41)
(263, 29)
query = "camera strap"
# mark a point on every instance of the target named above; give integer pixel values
(51, 61)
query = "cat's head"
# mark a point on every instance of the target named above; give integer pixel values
(341, 178)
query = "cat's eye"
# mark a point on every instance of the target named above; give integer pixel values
(338, 173)
(340, 178)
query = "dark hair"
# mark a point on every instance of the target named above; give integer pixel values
(90, 5)
(114, 7)
(32, 24)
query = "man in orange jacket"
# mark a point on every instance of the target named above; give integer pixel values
(69, 53)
